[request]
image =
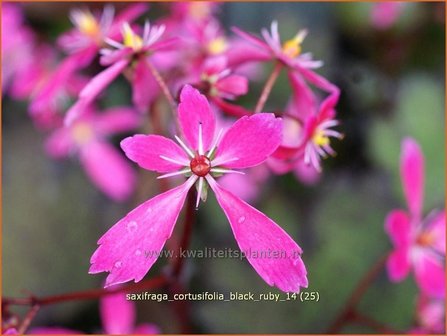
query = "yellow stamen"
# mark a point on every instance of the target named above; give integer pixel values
(82, 133)
(87, 24)
(320, 139)
(292, 47)
(217, 45)
(130, 39)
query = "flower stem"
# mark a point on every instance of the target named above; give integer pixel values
(28, 318)
(163, 86)
(268, 87)
(349, 312)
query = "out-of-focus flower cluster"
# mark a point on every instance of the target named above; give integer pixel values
(419, 243)
(186, 46)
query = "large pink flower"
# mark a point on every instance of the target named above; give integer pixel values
(86, 138)
(419, 244)
(201, 156)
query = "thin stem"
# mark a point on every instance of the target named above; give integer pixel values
(187, 231)
(27, 320)
(161, 82)
(152, 283)
(268, 87)
(373, 324)
(348, 313)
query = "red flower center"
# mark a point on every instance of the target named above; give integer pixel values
(200, 165)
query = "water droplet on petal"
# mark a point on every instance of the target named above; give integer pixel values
(241, 219)
(118, 264)
(138, 252)
(132, 226)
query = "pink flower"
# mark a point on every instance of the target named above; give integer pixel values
(247, 143)
(430, 316)
(17, 44)
(289, 52)
(133, 52)
(419, 244)
(86, 138)
(385, 14)
(308, 129)
(118, 317)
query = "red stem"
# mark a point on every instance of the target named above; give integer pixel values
(268, 87)
(164, 87)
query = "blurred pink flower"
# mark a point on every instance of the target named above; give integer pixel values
(132, 53)
(130, 248)
(118, 316)
(86, 138)
(418, 244)
(385, 14)
(430, 316)
(308, 128)
(17, 44)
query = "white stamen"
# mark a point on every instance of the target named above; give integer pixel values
(199, 192)
(113, 43)
(221, 161)
(178, 162)
(226, 171)
(185, 148)
(216, 142)
(200, 149)
(180, 172)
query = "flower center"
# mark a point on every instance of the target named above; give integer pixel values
(200, 165)
(292, 47)
(82, 133)
(217, 46)
(130, 39)
(425, 239)
(320, 139)
(87, 24)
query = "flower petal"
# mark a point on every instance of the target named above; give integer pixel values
(430, 274)
(108, 170)
(146, 151)
(250, 141)
(193, 110)
(436, 229)
(59, 143)
(268, 248)
(146, 329)
(117, 314)
(129, 249)
(397, 225)
(144, 87)
(96, 85)
(233, 85)
(116, 120)
(398, 265)
(412, 173)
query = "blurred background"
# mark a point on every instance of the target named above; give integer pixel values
(392, 81)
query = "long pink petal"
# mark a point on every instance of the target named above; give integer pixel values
(194, 110)
(303, 102)
(398, 265)
(430, 274)
(256, 235)
(144, 87)
(118, 315)
(412, 173)
(146, 151)
(397, 225)
(436, 230)
(234, 85)
(128, 14)
(108, 170)
(59, 143)
(129, 249)
(117, 119)
(250, 141)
